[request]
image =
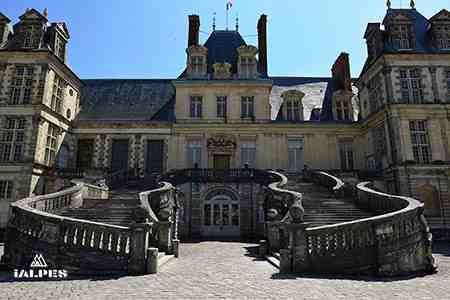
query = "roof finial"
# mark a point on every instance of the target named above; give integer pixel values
(45, 12)
(214, 22)
(237, 23)
(413, 4)
(389, 4)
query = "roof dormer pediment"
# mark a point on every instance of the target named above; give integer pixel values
(33, 15)
(442, 16)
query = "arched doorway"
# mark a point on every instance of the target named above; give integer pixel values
(220, 214)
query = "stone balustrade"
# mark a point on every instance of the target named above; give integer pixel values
(396, 241)
(78, 246)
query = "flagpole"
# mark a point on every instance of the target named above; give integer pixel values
(228, 10)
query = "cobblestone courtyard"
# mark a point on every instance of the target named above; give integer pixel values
(225, 270)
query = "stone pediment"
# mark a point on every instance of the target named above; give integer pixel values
(222, 144)
(247, 50)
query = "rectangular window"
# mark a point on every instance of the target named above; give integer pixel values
(12, 140)
(222, 107)
(196, 107)
(248, 154)
(247, 67)
(379, 143)
(346, 155)
(197, 63)
(6, 188)
(247, 107)
(22, 85)
(60, 46)
(295, 155)
(401, 39)
(30, 41)
(51, 144)
(293, 110)
(420, 141)
(57, 94)
(411, 86)
(194, 154)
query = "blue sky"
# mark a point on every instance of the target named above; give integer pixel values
(147, 39)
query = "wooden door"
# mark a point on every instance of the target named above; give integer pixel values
(221, 162)
(85, 152)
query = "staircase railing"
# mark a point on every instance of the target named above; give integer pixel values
(395, 242)
(79, 246)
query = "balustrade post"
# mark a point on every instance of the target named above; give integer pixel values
(152, 260)
(298, 247)
(138, 249)
(165, 236)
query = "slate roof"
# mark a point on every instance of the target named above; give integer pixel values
(127, 100)
(222, 47)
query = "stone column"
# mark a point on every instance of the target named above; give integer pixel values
(165, 236)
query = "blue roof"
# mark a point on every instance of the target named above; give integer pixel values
(222, 47)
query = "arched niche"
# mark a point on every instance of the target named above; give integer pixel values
(429, 195)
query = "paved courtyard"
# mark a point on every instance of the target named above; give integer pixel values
(227, 270)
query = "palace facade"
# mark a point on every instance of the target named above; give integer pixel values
(226, 110)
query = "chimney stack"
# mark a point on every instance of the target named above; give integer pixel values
(194, 30)
(341, 72)
(262, 45)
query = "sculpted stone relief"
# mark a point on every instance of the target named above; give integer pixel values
(222, 144)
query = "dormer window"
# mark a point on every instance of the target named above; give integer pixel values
(247, 69)
(442, 36)
(375, 93)
(197, 64)
(29, 40)
(293, 106)
(60, 47)
(401, 37)
(247, 66)
(197, 61)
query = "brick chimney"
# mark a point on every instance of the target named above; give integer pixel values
(341, 73)
(262, 45)
(194, 30)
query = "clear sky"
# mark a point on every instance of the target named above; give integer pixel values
(148, 38)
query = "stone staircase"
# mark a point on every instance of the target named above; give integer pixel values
(321, 207)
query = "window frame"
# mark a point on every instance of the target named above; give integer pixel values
(420, 141)
(248, 154)
(196, 107)
(22, 85)
(346, 155)
(247, 107)
(12, 143)
(6, 189)
(58, 93)
(221, 106)
(51, 145)
(411, 86)
(194, 148)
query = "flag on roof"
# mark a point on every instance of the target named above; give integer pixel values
(229, 4)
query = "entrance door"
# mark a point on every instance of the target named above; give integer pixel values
(119, 159)
(221, 162)
(221, 217)
(155, 150)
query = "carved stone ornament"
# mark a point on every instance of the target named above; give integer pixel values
(222, 70)
(222, 144)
